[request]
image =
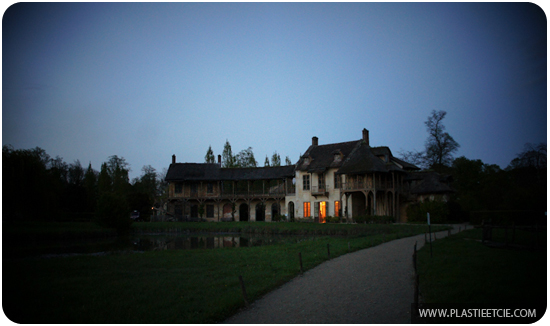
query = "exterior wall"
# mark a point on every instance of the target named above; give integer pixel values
(301, 196)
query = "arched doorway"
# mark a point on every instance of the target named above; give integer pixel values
(243, 213)
(227, 209)
(260, 212)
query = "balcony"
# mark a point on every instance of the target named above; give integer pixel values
(321, 190)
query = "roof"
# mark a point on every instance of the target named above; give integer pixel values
(355, 157)
(429, 182)
(322, 157)
(214, 172)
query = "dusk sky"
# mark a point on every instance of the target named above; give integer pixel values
(147, 80)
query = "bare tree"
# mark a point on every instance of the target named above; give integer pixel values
(440, 145)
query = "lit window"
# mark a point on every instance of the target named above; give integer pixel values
(307, 209)
(337, 208)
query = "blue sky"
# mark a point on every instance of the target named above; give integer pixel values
(148, 80)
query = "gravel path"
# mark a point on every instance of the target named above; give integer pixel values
(370, 286)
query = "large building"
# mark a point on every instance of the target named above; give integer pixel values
(343, 180)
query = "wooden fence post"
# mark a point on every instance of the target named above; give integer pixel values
(301, 267)
(416, 281)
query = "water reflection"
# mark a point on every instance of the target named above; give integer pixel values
(148, 243)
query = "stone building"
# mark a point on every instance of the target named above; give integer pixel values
(344, 180)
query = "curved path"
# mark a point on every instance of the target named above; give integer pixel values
(370, 286)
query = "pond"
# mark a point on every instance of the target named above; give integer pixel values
(157, 242)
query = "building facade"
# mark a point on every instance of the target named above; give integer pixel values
(343, 180)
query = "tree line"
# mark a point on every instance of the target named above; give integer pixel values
(39, 187)
(479, 186)
(243, 159)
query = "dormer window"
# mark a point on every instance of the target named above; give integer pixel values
(337, 155)
(306, 160)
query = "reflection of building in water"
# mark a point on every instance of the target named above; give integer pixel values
(198, 242)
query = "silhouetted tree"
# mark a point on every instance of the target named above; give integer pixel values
(266, 162)
(209, 157)
(245, 159)
(228, 161)
(288, 161)
(275, 159)
(440, 146)
(90, 184)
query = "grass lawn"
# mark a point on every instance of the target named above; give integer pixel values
(462, 270)
(180, 286)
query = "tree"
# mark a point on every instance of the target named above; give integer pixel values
(118, 170)
(228, 161)
(288, 161)
(275, 159)
(90, 184)
(245, 159)
(266, 162)
(209, 158)
(533, 156)
(113, 212)
(440, 145)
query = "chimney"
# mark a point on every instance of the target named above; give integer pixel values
(174, 159)
(366, 136)
(219, 159)
(314, 141)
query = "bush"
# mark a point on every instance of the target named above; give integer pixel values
(374, 219)
(113, 212)
(333, 219)
(418, 212)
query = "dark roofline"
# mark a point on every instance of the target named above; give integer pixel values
(214, 172)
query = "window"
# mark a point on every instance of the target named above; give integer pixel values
(321, 181)
(179, 188)
(209, 210)
(337, 208)
(337, 182)
(307, 209)
(305, 179)
(194, 189)
(209, 188)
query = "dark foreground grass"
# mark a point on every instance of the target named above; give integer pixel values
(193, 286)
(462, 270)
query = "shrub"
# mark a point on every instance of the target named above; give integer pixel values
(374, 219)
(113, 212)
(439, 212)
(333, 219)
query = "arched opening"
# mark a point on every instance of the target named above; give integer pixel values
(260, 212)
(227, 209)
(243, 213)
(291, 211)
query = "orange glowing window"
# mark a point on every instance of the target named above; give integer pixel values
(322, 211)
(337, 208)
(307, 209)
